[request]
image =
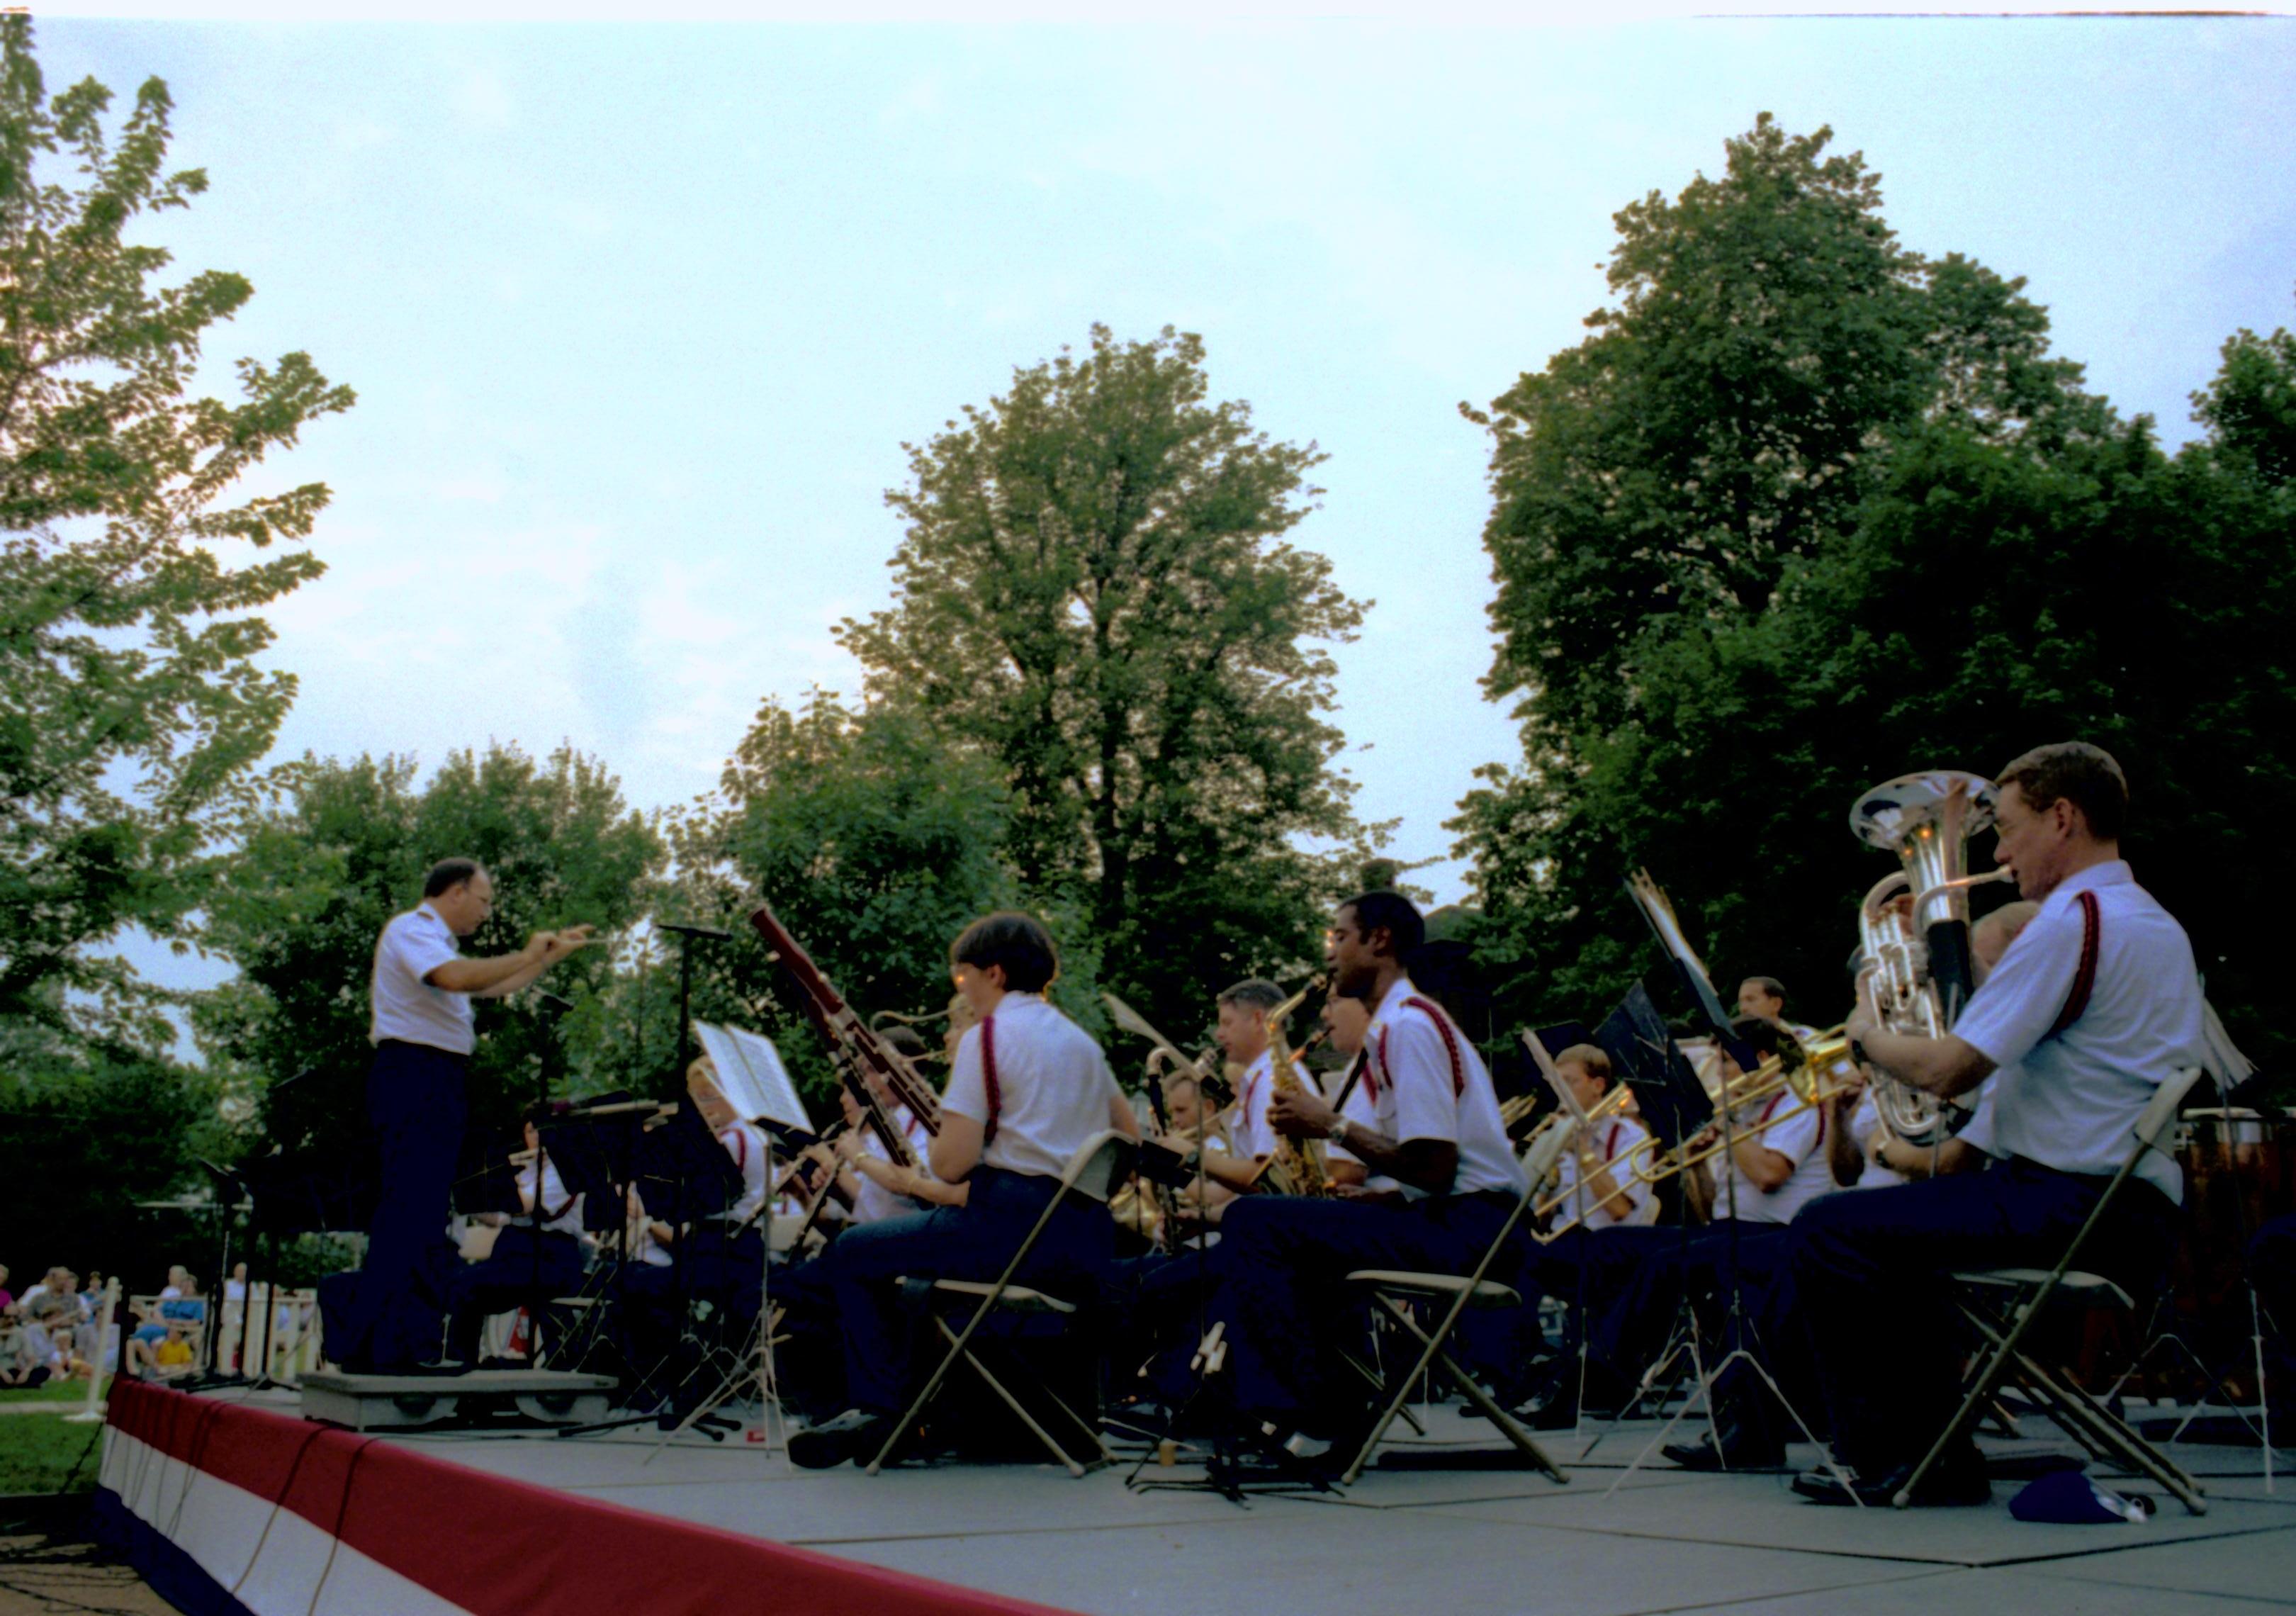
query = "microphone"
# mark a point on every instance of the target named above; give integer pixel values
(714, 933)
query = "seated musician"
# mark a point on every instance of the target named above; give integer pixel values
(881, 1186)
(1249, 1143)
(1637, 1278)
(2096, 1005)
(536, 1256)
(1764, 998)
(1593, 1188)
(1872, 1155)
(1030, 1090)
(1281, 1295)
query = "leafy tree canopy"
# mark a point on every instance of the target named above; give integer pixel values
(2001, 561)
(298, 903)
(132, 714)
(1095, 591)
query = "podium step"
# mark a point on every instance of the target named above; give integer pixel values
(408, 1402)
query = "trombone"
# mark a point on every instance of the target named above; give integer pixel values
(1565, 1122)
(1801, 1074)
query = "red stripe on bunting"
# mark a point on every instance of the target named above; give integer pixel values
(500, 1547)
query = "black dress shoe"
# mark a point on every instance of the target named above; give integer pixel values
(1557, 1413)
(856, 1434)
(1950, 1483)
(1738, 1451)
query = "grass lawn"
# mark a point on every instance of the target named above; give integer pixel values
(38, 1451)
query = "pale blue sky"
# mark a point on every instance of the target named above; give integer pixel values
(639, 317)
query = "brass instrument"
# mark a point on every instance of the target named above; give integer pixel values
(1915, 972)
(1202, 1069)
(1298, 1167)
(1802, 1072)
(1566, 1123)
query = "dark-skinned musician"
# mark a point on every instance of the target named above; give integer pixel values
(2096, 1005)
(1284, 1260)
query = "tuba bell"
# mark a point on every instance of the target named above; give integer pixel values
(1914, 970)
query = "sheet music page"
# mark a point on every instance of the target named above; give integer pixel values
(778, 1101)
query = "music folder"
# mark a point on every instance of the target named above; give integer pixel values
(752, 1078)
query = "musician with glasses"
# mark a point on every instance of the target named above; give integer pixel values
(1282, 1294)
(2096, 1005)
(1030, 1090)
(387, 1315)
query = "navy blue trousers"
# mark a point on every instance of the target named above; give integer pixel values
(1871, 1269)
(527, 1267)
(974, 1241)
(392, 1313)
(1282, 1291)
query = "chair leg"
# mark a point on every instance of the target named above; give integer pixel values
(1431, 1351)
(1020, 1413)
(2119, 1440)
(1981, 1388)
(1377, 1384)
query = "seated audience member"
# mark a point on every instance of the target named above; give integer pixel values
(173, 1359)
(23, 1364)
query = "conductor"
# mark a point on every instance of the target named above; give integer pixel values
(388, 1317)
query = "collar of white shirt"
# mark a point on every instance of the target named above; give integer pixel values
(2111, 872)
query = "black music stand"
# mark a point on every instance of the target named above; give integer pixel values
(1652, 904)
(310, 1192)
(685, 1178)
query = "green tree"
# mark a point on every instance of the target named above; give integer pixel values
(88, 1129)
(298, 905)
(1094, 590)
(1998, 559)
(875, 840)
(132, 714)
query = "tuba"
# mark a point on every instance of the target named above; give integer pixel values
(1914, 970)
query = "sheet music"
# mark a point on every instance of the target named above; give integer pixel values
(752, 1078)
(1547, 1070)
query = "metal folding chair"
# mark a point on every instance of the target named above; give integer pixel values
(2003, 1304)
(1392, 1292)
(1098, 1166)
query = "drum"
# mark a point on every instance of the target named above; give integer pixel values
(2240, 1172)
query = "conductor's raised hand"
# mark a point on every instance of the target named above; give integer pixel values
(565, 941)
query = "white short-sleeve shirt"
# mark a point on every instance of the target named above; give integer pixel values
(2073, 1100)
(1610, 1142)
(872, 1202)
(1053, 1087)
(1427, 1082)
(1800, 1139)
(1863, 1125)
(556, 1211)
(745, 1144)
(408, 1008)
(1252, 1136)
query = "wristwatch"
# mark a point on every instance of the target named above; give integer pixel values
(1338, 1131)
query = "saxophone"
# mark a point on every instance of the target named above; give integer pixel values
(1298, 1167)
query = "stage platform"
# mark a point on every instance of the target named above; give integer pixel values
(975, 1539)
